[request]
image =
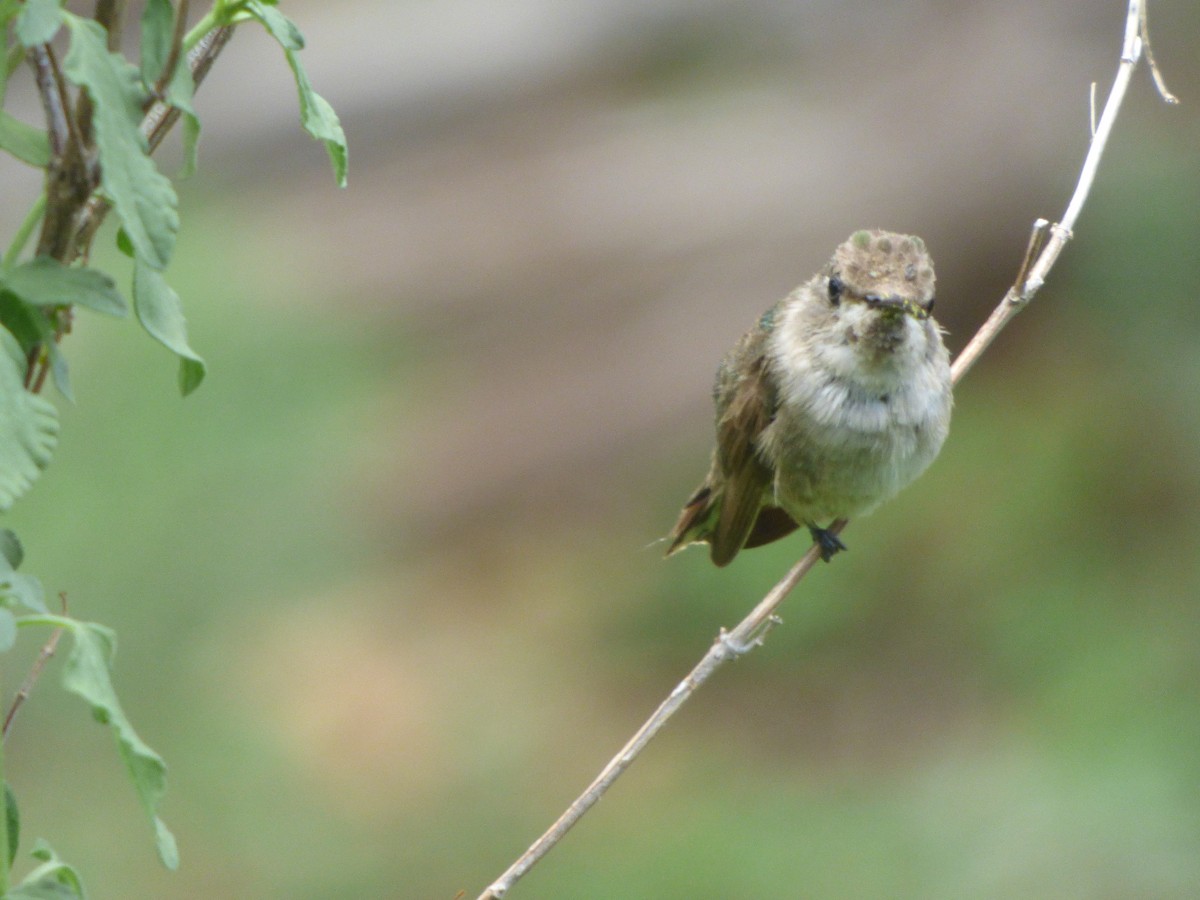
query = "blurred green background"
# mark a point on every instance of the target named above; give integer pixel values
(384, 586)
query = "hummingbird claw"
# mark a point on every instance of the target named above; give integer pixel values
(829, 542)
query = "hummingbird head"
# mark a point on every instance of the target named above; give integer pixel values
(891, 273)
(880, 290)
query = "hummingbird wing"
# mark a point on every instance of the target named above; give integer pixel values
(727, 510)
(724, 508)
(745, 407)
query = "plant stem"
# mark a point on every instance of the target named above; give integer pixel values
(3, 826)
(25, 229)
(212, 19)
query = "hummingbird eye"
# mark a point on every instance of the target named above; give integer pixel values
(836, 287)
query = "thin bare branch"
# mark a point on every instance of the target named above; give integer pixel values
(67, 180)
(160, 119)
(53, 92)
(1159, 82)
(1046, 243)
(168, 72)
(110, 14)
(35, 672)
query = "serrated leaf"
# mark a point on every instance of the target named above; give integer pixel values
(38, 21)
(142, 196)
(12, 818)
(28, 426)
(161, 314)
(53, 880)
(47, 282)
(86, 674)
(281, 28)
(26, 143)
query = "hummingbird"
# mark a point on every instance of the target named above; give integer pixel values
(836, 399)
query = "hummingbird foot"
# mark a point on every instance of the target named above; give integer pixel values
(829, 542)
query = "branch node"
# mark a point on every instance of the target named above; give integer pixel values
(1019, 294)
(733, 647)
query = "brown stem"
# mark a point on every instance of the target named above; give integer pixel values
(68, 184)
(34, 672)
(155, 125)
(176, 51)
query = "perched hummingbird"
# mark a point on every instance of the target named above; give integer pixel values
(833, 402)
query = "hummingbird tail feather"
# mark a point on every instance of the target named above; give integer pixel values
(694, 523)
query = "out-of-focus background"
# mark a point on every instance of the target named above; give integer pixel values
(385, 586)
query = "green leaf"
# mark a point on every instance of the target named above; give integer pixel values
(47, 282)
(26, 143)
(124, 244)
(158, 31)
(24, 589)
(86, 674)
(28, 426)
(281, 28)
(158, 26)
(191, 143)
(142, 196)
(320, 120)
(33, 329)
(11, 551)
(38, 21)
(53, 880)
(12, 817)
(316, 115)
(161, 314)
(27, 324)
(191, 373)
(179, 94)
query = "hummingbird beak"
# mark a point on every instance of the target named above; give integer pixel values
(897, 304)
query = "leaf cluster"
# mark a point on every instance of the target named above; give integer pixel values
(104, 116)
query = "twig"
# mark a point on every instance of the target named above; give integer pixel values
(54, 97)
(168, 70)
(1144, 30)
(1045, 245)
(161, 117)
(155, 125)
(34, 672)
